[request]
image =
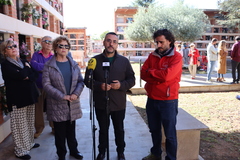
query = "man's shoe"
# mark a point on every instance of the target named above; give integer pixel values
(121, 156)
(27, 156)
(152, 157)
(77, 155)
(101, 156)
(36, 145)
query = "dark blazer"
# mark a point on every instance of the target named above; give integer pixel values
(121, 70)
(19, 92)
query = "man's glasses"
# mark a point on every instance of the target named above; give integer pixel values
(63, 46)
(47, 41)
(11, 47)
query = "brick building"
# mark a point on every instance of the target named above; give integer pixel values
(124, 16)
(27, 21)
(79, 41)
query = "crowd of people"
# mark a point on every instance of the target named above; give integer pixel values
(217, 53)
(52, 82)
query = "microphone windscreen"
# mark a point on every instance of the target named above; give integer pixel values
(106, 64)
(92, 64)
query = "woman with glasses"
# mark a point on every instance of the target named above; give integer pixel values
(63, 83)
(21, 94)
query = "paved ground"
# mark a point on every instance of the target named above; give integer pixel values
(138, 140)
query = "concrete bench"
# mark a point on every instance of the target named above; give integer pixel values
(188, 135)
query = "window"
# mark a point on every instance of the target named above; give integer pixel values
(120, 20)
(120, 45)
(231, 38)
(138, 45)
(147, 45)
(216, 30)
(129, 45)
(120, 29)
(81, 42)
(224, 30)
(129, 20)
(74, 48)
(72, 35)
(224, 37)
(139, 53)
(81, 36)
(73, 42)
(120, 37)
(208, 37)
(199, 45)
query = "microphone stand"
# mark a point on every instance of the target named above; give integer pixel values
(107, 110)
(92, 118)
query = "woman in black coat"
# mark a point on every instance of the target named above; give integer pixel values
(21, 94)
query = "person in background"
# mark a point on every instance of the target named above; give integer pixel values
(222, 60)
(21, 94)
(63, 83)
(193, 56)
(212, 58)
(38, 60)
(185, 54)
(235, 56)
(121, 79)
(179, 49)
(162, 72)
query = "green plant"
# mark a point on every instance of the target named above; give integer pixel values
(45, 19)
(26, 11)
(35, 14)
(6, 2)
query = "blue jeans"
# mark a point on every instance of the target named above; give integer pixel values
(211, 65)
(163, 112)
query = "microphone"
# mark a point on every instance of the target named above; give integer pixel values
(91, 66)
(106, 67)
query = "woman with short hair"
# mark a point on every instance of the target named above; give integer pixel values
(63, 83)
(21, 94)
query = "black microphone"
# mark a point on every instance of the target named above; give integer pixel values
(106, 67)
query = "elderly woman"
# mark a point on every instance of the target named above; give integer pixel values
(193, 59)
(21, 94)
(63, 83)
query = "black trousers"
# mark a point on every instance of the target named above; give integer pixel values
(235, 65)
(118, 125)
(65, 131)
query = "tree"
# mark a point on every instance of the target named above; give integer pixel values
(102, 36)
(186, 23)
(229, 13)
(143, 3)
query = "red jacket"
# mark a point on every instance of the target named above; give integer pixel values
(194, 55)
(162, 75)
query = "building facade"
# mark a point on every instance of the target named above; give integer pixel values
(79, 42)
(26, 22)
(124, 17)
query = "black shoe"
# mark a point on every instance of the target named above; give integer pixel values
(77, 155)
(121, 156)
(61, 158)
(233, 82)
(101, 156)
(36, 145)
(27, 156)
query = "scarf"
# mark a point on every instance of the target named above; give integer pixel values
(165, 53)
(17, 62)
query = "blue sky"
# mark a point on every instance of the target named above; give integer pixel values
(97, 15)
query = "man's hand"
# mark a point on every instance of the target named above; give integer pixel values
(115, 84)
(103, 87)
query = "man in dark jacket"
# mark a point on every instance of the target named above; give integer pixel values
(119, 76)
(235, 55)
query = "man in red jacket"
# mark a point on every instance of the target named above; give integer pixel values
(162, 72)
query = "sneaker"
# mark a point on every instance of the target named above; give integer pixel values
(152, 157)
